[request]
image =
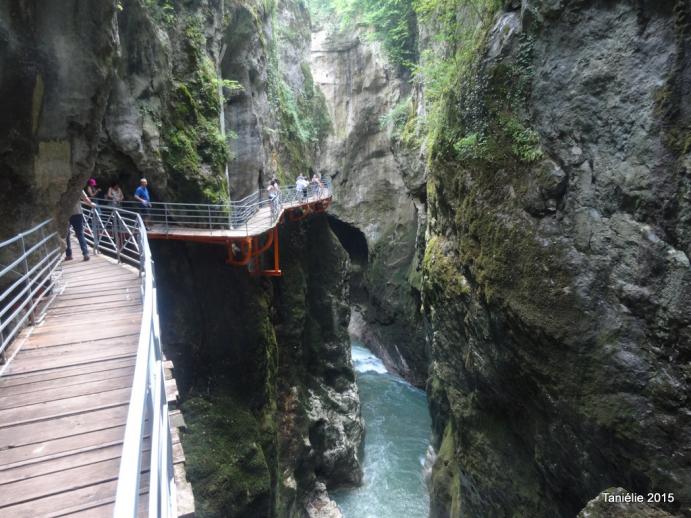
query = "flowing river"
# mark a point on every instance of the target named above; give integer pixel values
(396, 442)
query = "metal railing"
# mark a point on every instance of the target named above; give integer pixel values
(121, 234)
(29, 281)
(114, 232)
(255, 212)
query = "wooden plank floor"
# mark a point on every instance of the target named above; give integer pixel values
(64, 396)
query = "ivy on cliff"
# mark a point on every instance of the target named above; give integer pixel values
(303, 119)
(393, 23)
(194, 151)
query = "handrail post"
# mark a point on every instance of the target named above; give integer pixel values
(165, 214)
(25, 263)
(94, 229)
(116, 229)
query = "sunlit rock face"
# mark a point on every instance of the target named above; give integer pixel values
(377, 189)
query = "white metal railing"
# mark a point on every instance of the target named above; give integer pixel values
(28, 282)
(235, 215)
(122, 235)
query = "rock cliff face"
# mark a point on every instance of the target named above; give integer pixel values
(378, 191)
(270, 396)
(56, 63)
(130, 88)
(557, 267)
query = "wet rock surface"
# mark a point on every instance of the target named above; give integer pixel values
(556, 289)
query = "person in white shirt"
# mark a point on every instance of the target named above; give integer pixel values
(301, 186)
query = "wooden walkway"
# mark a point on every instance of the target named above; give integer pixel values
(64, 396)
(260, 223)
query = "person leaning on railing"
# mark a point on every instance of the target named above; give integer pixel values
(142, 196)
(77, 223)
(317, 185)
(273, 191)
(115, 194)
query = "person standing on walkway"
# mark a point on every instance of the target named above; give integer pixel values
(301, 186)
(115, 194)
(77, 223)
(142, 196)
(92, 190)
(273, 191)
(317, 185)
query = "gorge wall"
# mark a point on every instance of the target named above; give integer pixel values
(269, 393)
(552, 139)
(556, 272)
(122, 89)
(379, 191)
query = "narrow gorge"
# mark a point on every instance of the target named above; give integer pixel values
(492, 317)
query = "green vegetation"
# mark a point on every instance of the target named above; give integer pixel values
(446, 476)
(194, 150)
(397, 118)
(303, 119)
(392, 23)
(162, 10)
(227, 466)
(441, 271)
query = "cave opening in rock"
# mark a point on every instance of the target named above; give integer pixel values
(352, 239)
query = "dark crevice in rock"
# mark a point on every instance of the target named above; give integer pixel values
(352, 239)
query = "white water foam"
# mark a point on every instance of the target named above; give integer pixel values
(365, 361)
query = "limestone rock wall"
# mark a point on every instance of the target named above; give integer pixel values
(268, 387)
(377, 189)
(56, 67)
(556, 284)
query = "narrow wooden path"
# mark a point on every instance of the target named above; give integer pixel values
(260, 223)
(64, 396)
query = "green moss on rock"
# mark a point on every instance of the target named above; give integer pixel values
(225, 463)
(441, 272)
(194, 150)
(446, 478)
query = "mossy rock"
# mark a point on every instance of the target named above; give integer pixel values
(227, 467)
(441, 272)
(446, 478)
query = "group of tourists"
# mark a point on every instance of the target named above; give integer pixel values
(113, 198)
(302, 185)
(93, 196)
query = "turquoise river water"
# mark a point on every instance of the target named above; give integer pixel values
(396, 441)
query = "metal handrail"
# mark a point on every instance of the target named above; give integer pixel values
(26, 298)
(234, 215)
(121, 234)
